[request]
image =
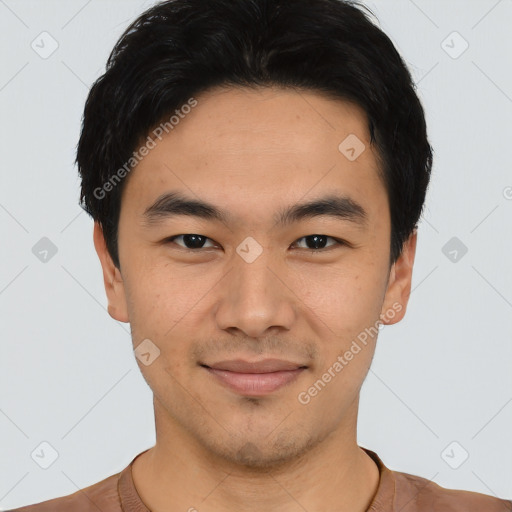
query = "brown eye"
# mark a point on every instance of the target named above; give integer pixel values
(317, 243)
(190, 241)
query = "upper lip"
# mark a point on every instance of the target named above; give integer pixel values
(264, 366)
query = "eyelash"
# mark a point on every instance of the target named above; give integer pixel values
(338, 243)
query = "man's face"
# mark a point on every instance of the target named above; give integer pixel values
(255, 285)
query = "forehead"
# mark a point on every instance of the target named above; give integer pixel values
(255, 150)
(269, 120)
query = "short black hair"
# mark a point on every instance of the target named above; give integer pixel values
(180, 48)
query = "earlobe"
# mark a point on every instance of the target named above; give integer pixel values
(399, 284)
(112, 278)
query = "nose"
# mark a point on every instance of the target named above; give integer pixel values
(256, 298)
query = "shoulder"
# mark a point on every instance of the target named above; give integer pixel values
(417, 494)
(100, 496)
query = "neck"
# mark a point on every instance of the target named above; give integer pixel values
(179, 474)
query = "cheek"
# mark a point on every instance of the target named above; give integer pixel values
(155, 291)
(166, 304)
(345, 298)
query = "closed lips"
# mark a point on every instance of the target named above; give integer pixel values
(265, 366)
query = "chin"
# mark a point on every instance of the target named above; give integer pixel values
(264, 454)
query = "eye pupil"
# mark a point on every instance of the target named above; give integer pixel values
(318, 240)
(194, 241)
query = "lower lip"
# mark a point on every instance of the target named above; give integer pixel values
(255, 384)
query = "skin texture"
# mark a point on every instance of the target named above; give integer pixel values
(252, 153)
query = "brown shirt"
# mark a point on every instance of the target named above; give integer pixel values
(397, 492)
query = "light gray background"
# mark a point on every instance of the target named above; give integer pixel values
(68, 375)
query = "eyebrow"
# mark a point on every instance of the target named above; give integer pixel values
(173, 204)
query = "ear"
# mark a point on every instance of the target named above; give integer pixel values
(114, 284)
(399, 284)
